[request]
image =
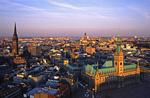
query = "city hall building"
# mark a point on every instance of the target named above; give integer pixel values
(114, 73)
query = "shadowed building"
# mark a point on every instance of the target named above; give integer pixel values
(34, 49)
(11, 92)
(15, 49)
(112, 74)
(53, 89)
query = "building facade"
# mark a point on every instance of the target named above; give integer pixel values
(34, 49)
(90, 50)
(112, 74)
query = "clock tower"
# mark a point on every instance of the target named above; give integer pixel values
(119, 58)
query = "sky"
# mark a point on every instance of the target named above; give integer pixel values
(74, 17)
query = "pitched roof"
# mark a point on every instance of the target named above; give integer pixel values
(107, 64)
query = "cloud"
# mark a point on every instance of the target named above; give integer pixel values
(76, 12)
(65, 5)
(81, 13)
(32, 12)
(141, 11)
(14, 6)
(84, 12)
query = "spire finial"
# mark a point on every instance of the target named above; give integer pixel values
(118, 34)
(118, 42)
(15, 29)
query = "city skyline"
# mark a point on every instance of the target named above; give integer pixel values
(73, 18)
(74, 48)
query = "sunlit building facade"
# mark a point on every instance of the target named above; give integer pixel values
(114, 73)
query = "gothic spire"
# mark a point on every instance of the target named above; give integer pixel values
(15, 30)
(15, 41)
(15, 36)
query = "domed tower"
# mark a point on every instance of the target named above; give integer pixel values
(15, 42)
(119, 58)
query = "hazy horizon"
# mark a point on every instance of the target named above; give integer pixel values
(74, 17)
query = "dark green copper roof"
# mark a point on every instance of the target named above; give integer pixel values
(130, 66)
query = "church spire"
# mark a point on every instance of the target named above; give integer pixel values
(15, 41)
(15, 36)
(15, 30)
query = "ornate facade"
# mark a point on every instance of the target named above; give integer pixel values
(112, 74)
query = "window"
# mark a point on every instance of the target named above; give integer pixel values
(121, 63)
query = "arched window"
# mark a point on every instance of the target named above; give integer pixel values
(121, 63)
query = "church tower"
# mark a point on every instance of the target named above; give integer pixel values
(15, 42)
(119, 58)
